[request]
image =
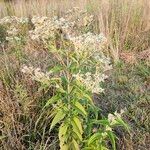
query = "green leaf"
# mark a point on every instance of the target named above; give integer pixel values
(112, 138)
(64, 147)
(87, 148)
(61, 90)
(80, 108)
(52, 100)
(102, 122)
(121, 122)
(75, 145)
(58, 117)
(76, 132)
(62, 130)
(93, 138)
(78, 124)
(62, 138)
(88, 98)
(64, 80)
(104, 148)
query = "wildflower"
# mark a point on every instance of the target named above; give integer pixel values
(40, 76)
(14, 27)
(89, 44)
(118, 115)
(95, 130)
(46, 28)
(91, 81)
(89, 41)
(36, 74)
(111, 118)
(27, 70)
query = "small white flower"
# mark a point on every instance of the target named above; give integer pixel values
(111, 118)
(27, 70)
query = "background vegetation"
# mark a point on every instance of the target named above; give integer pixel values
(126, 25)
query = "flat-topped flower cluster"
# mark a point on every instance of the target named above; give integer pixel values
(45, 28)
(14, 27)
(72, 27)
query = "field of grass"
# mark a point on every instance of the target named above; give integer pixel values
(24, 120)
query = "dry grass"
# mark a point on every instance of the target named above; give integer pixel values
(21, 104)
(126, 23)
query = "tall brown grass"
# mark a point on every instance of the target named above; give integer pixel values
(126, 23)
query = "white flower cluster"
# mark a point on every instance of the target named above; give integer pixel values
(70, 25)
(46, 28)
(112, 118)
(36, 74)
(13, 25)
(13, 20)
(89, 42)
(91, 81)
(103, 60)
